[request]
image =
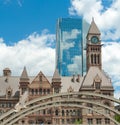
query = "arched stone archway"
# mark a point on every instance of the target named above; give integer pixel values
(68, 101)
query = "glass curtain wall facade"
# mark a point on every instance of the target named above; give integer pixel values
(70, 46)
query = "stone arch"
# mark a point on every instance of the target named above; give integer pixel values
(32, 108)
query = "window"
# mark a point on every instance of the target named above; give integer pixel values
(92, 58)
(97, 85)
(40, 91)
(62, 121)
(9, 93)
(40, 78)
(44, 91)
(98, 121)
(98, 59)
(36, 91)
(56, 112)
(67, 112)
(90, 121)
(95, 59)
(74, 112)
(32, 91)
(78, 112)
(107, 111)
(49, 111)
(63, 113)
(44, 111)
(107, 121)
(48, 91)
(89, 110)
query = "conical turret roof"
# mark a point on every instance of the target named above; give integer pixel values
(56, 74)
(24, 75)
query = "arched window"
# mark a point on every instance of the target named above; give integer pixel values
(56, 112)
(48, 91)
(107, 111)
(63, 113)
(67, 112)
(9, 93)
(97, 85)
(92, 58)
(32, 91)
(98, 59)
(40, 91)
(36, 91)
(44, 91)
(95, 58)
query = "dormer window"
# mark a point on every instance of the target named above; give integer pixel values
(8, 92)
(70, 89)
(97, 85)
(40, 78)
(97, 82)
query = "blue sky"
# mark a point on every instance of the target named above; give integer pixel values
(27, 33)
(20, 18)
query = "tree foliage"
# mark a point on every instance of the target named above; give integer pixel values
(78, 121)
(117, 118)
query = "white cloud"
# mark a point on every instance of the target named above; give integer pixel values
(34, 52)
(67, 45)
(106, 19)
(18, 2)
(76, 66)
(71, 34)
(68, 38)
(111, 63)
(111, 57)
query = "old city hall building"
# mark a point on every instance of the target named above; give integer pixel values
(12, 88)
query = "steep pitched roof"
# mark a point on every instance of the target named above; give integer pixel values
(93, 73)
(56, 74)
(40, 81)
(93, 28)
(24, 75)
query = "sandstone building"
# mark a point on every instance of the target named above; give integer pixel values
(95, 81)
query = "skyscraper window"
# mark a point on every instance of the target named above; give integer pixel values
(70, 47)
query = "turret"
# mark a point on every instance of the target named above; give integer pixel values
(24, 81)
(56, 82)
(93, 53)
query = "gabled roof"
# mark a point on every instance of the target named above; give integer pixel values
(93, 73)
(93, 28)
(40, 81)
(24, 75)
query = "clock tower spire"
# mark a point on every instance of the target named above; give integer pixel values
(93, 53)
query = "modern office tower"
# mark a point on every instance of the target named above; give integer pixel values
(70, 46)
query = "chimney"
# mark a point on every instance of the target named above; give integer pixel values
(78, 78)
(73, 78)
(6, 72)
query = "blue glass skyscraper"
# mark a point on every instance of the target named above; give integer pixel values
(70, 46)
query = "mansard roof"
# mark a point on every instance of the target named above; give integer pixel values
(93, 28)
(12, 81)
(92, 74)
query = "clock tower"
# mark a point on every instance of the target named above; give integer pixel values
(93, 52)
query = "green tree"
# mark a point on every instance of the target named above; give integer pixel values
(117, 118)
(78, 121)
